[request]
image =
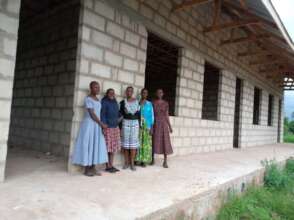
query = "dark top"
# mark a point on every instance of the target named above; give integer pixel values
(128, 116)
(110, 112)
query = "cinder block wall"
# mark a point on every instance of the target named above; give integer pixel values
(253, 135)
(185, 29)
(9, 16)
(113, 51)
(42, 107)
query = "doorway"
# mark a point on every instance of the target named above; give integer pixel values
(238, 94)
(162, 68)
(45, 70)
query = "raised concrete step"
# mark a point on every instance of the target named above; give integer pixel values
(192, 188)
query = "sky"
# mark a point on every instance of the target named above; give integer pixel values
(285, 10)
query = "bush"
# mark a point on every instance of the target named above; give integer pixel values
(290, 166)
(274, 177)
(289, 138)
(291, 127)
(275, 201)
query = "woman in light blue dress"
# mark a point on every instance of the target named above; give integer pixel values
(90, 147)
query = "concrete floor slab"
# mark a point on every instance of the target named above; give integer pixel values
(38, 187)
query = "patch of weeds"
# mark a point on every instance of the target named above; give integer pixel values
(290, 166)
(275, 177)
(273, 201)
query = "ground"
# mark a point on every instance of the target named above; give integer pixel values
(38, 187)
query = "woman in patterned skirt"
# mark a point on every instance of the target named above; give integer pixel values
(130, 110)
(144, 154)
(110, 116)
(161, 128)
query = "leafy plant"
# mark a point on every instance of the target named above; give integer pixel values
(274, 177)
(274, 201)
(290, 166)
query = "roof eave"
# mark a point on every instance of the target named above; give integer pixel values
(271, 9)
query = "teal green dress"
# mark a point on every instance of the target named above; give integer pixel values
(144, 154)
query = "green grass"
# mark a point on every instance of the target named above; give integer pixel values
(274, 201)
(289, 138)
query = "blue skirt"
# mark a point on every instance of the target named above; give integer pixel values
(90, 147)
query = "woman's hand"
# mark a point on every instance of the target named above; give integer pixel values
(119, 120)
(151, 132)
(104, 126)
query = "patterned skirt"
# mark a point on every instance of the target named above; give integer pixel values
(144, 153)
(130, 134)
(112, 138)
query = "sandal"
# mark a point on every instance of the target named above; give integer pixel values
(126, 166)
(110, 170)
(96, 172)
(115, 169)
(133, 168)
(88, 172)
(165, 164)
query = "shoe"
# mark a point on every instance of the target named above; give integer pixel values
(143, 165)
(126, 166)
(89, 173)
(95, 172)
(115, 169)
(133, 168)
(165, 165)
(110, 170)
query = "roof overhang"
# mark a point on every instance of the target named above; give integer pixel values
(271, 9)
(261, 28)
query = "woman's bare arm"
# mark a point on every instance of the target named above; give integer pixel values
(95, 118)
(168, 121)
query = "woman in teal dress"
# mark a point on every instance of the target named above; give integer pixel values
(144, 154)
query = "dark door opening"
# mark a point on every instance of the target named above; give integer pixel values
(161, 69)
(237, 113)
(44, 82)
(279, 122)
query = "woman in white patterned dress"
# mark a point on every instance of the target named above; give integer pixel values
(130, 110)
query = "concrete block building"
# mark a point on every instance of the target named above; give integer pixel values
(222, 64)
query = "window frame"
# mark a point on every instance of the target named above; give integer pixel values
(257, 106)
(218, 95)
(271, 101)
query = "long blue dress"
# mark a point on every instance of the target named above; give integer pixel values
(90, 147)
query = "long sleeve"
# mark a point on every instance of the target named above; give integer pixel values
(103, 111)
(152, 115)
